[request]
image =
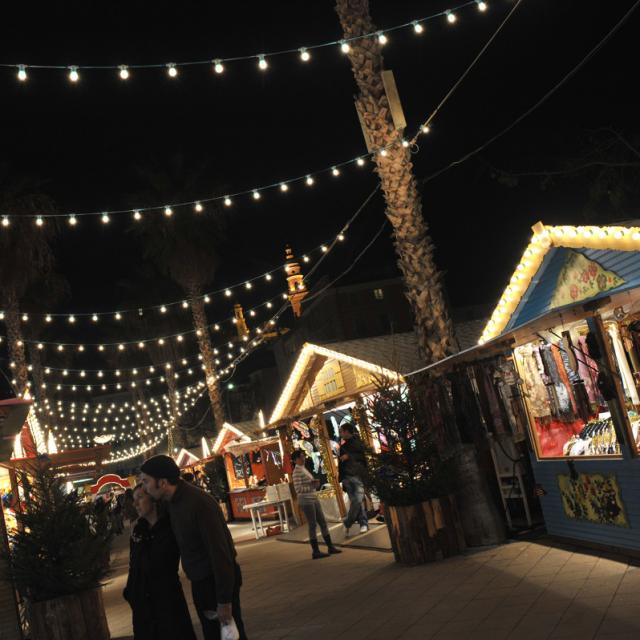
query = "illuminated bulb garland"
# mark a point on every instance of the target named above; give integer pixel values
(123, 70)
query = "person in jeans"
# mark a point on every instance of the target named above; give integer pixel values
(352, 469)
(206, 546)
(306, 485)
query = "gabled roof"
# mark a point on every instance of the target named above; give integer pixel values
(531, 290)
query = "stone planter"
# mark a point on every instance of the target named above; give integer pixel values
(425, 532)
(79, 616)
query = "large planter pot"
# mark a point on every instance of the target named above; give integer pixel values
(79, 616)
(425, 532)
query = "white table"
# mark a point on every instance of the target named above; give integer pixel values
(256, 515)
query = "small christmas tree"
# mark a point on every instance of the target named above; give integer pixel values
(409, 469)
(61, 546)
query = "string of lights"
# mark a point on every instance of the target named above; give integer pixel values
(142, 343)
(284, 185)
(263, 60)
(117, 315)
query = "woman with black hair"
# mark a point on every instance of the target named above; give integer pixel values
(153, 588)
(306, 485)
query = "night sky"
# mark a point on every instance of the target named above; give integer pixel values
(249, 128)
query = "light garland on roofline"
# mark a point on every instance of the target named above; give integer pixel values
(544, 238)
(218, 65)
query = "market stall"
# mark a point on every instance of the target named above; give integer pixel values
(328, 385)
(252, 464)
(568, 322)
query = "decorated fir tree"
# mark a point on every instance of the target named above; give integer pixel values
(61, 546)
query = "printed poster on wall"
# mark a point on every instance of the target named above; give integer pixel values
(593, 497)
(581, 279)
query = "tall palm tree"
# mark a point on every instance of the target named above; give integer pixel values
(414, 247)
(26, 257)
(415, 250)
(184, 248)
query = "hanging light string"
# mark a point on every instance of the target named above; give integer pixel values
(172, 69)
(247, 284)
(425, 127)
(255, 193)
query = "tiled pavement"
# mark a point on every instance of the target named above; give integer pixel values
(522, 590)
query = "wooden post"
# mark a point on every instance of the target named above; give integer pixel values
(360, 415)
(330, 463)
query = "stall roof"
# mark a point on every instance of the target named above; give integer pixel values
(608, 256)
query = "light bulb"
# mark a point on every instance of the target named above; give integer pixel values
(74, 76)
(171, 70)
(425, 128)
(5, 221)
(383, 152)
(73, 221)
(417, 27)
(405, 143)
(306, 258)
(341, 237)
(227, 293)
(140, 345)
(227, 201)
(163, 309)
(218, 67)
(185, 304)
(482, 6)
(256, 195)
(335, 171)
(137, 215)
(105, 218)
(248, 285)
(324, 248)
(360, 162)
(72, 319)
(268, 276)
(262, 63)
(382, 39)
(118, 316)
(48, 318)
(207, 299)
(39, 221)
(284, 186)
(124, 72)
(344, 46)
(22, 73)
(198, 207)
(168, 211)
(309, 180)
(451, 17)
(304, 55)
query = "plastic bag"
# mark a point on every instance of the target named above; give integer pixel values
(229, 631)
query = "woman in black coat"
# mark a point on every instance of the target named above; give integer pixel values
(153, 588)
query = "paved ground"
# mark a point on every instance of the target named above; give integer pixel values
(522, 590)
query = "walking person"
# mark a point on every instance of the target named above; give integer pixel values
(206, 546)
(352, 469)
(306, 486)
(153, 588)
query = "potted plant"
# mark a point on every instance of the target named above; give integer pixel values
(57, 559)
(412, 480)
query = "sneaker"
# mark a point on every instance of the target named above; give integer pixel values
(364, 528)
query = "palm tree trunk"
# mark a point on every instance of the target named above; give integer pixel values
(413, 245)
(208, 359)
(174, 411)
(39, 392)
(415, 250)
(16, 344)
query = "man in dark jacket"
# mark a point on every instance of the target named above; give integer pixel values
(352, 469)
(206, 547)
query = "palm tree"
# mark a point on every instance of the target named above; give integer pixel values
(184, 248)
(26, 257)
(415, 250)
(414, 247)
